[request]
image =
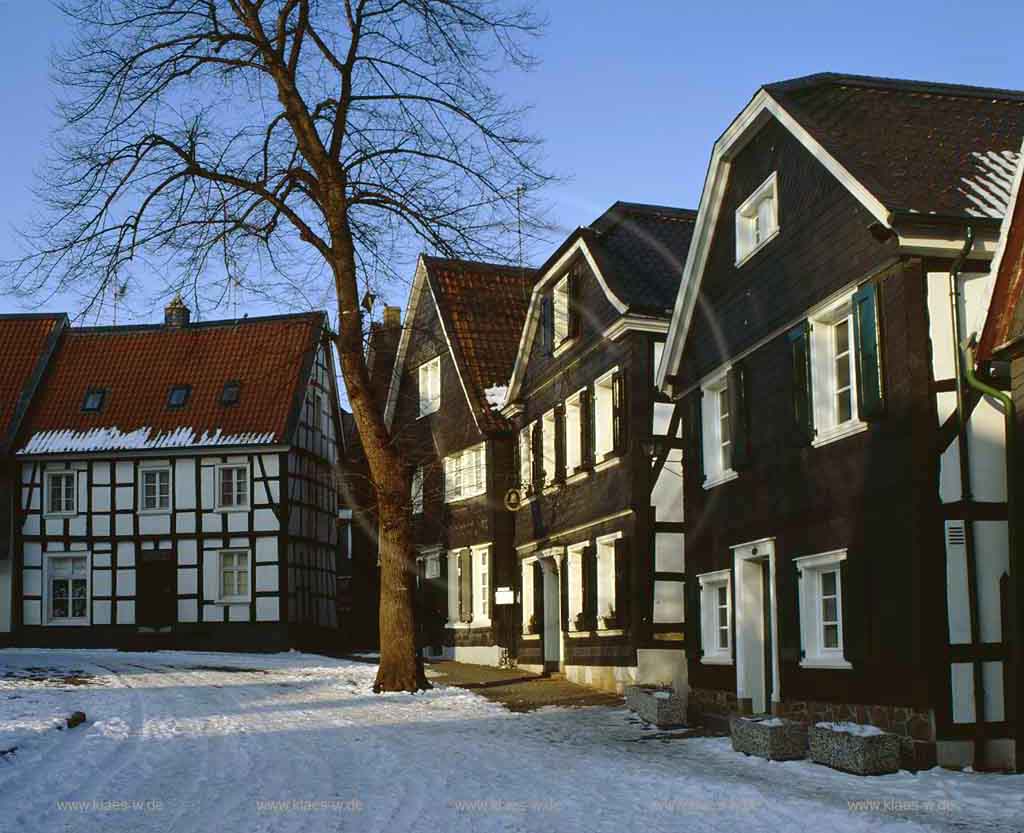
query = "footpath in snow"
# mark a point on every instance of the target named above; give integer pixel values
(294, 742)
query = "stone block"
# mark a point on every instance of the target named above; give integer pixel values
(856, 748)
(773, 738)
(662, 706)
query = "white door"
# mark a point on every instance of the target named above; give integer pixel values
(757, 676)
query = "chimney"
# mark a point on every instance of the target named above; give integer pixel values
(392, 316)
(176, 314)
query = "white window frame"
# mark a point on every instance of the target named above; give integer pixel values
(604, 553)
(236, 598)
(574, 575)
(47, 600)
(527, 601)
(156, 510)
(526, 457)
(750, 238)
(810, 569)
(710, 583)
(64, 513)
(432, 566)
(429, 382)
(715, 471)
(604, 415)
(549, 446)
(824, 379)
(219, 487)
(482, 568)
(317, 423)
(470, 461)
(560, 311)
(417, 491)
(574, 433)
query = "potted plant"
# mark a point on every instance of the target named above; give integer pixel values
(531, 625)
(580, 622)
(610, 619)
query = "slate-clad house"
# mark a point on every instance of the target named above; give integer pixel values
(177, 487)
(599, 528)
(846, 537)
(452, 370)
(28, 342)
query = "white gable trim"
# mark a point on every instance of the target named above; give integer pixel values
(1004, 228)
(455, 361)
(740, 132)
(553, 273)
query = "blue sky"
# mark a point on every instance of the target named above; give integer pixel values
(630, 96)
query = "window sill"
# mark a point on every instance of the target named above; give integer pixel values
(461, 498)
(610, 632)
(227, 510)
(551, 488)
(68, 623)
(740, 261)
(829, 664)
(713, 660)
(577, 476)
(608, 463)
(238, 600)
(836, 434)
(580, 634)
(155, 511)
(530, 636)
(563, 346)
(719, 479)
(425, 414)
(55, 516)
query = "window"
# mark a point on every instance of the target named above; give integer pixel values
(530, 623)
(465, 473)
(821, 609)
(606, 579)
(231, 393)
(94, 399)
(483, 583)
(560, 296)
(233, 487)
(430, 386)
(526, 457)
(315, 412)
(432, 567)
(548, 438)
(833, 373)
(574, 562)
(417, 491)
(155, 486)
(604, 415)
(178, 397)
(717, 431)
(757, 219)
(574, 433)
(716, 617)
(234, 576)
(67, 590)
(61, 493)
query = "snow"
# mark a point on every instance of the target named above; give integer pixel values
(772, 722)
(239, 743)
(862, 730)
(989, 188)
(114, 439)
(496, 396)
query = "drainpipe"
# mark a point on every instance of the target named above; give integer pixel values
(967, 495)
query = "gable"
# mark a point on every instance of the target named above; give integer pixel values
(28, 342)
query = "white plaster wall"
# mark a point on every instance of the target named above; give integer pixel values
(991, 547)
(669, 601)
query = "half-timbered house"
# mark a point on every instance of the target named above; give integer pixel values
(598, 525)
(28, 342)
(452, 371)
(176, 487)
(845, 497)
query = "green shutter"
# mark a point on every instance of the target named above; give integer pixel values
(538, 597)
(695, 431)
(693, 622)
(799, 339)
(620, 419)
(537, 446)
(855, 610)
(563, 595)
(560, 443)
(465, 586)
(739, 426)
(547, 324)
(574, 303)
(587, 428)
(870, 396)
(588, 561)
(622, 582)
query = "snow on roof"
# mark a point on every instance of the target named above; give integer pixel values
(988, 188)
(496, 395)
(113, 439)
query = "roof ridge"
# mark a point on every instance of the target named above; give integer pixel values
(942, 88)
(435, 259)
(195, 325)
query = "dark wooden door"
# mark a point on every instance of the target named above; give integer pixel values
(156, 599)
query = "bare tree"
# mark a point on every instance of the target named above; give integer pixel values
(295, 141)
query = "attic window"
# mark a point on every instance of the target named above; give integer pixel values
(230, 394)
(178, 396)
(94, 399)
(757, 219)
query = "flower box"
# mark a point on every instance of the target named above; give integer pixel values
(662, 706)
(769, 737)
(855, 747)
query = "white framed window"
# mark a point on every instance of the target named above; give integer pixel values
(526, 456)
(430, 386)
(821, 609)
(481, 584)
(432, 566)
(606, 600)
(234, 576)
(548, 437)
(61, 493)
(315, 418)
(716, 617)
(717, 432)
(833, 373)
(757, 219)
(155, 489)
(604, 414)
(417, 491)
(574, 575)
(574, 433)
(465, 473)
(526, 583)
(233, 487)
(67, 589)
(560, 305)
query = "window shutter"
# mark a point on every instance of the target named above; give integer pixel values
(538, 597)
(563, 594)
(517, 459)
(465, 586)
(622, 582)
(739, 425)
(560, 443)
(799, 339)
(866, 338)
(695, 432)
(619, 416)
(693, 617)
(574, 303)
(538, 456)
(587, 427)
(547, 324)
(588, 562)
(854, 613)
(788, 613)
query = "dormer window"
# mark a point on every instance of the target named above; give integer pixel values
(561, 306)
(231, 393)
(178, 397)
(94, 399)
(757, 219)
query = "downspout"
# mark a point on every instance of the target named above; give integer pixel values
(967, 495)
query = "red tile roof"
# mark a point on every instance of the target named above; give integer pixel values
(24, 343)
(139, 365)
(483, 306)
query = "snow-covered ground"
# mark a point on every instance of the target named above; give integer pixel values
(292, 742)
